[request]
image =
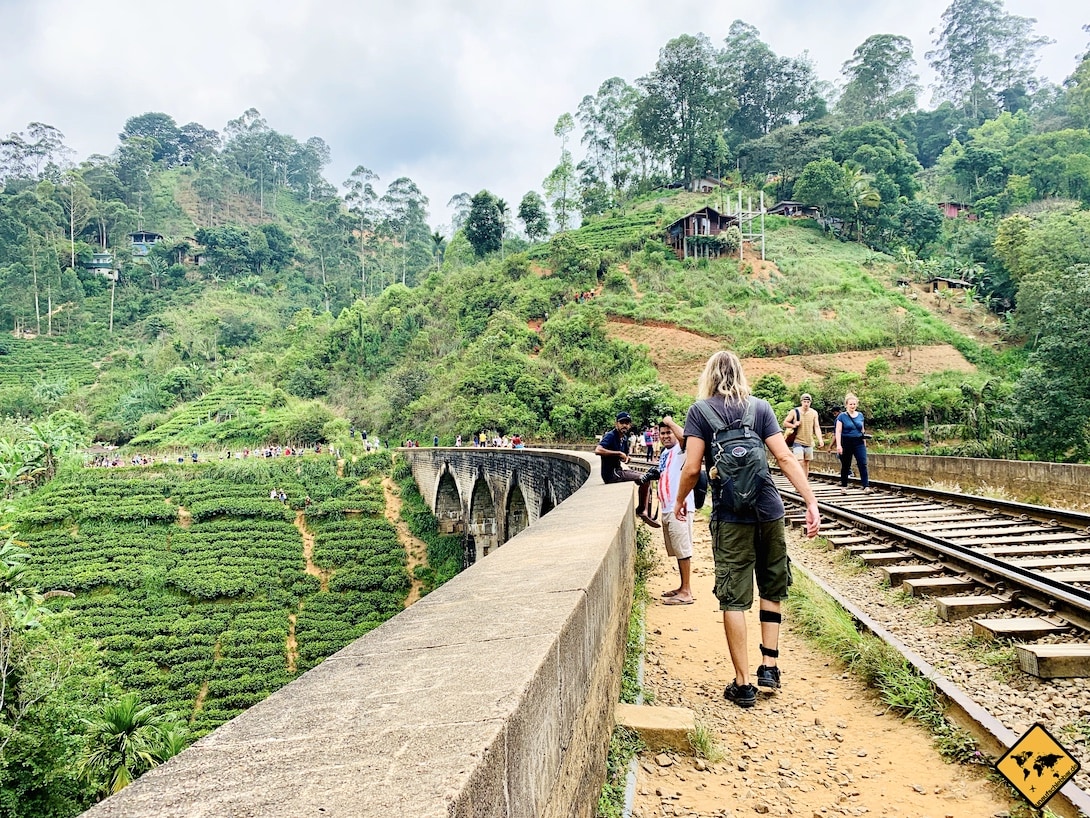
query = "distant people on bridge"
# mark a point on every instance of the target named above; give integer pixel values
(613, 449)
(649, 444)
(751, 538)
(516, 441)
(804, 421)
(851, 442)
(435, 440)
(677, 534)
(458, 441)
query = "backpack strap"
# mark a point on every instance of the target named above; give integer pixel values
(710, 415)
(716, 421)
(750, 414)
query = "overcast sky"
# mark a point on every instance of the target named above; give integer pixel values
(459, 96)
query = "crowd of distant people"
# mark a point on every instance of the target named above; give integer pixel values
(108, 460)
(490, 440)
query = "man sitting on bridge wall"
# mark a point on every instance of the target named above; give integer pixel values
(613, 449)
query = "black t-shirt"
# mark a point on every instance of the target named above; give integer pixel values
(769, 503)
(615, 441)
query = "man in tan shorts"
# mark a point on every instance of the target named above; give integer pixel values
(678, 534)
(804, 420)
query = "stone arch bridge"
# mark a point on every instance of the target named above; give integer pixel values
(492, 495)
(491, 696)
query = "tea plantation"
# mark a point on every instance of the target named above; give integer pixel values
(194, 583)
(45, 360)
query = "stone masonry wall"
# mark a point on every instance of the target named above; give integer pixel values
(1066, 485)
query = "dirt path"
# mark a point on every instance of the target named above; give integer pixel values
(308, 551)
(292, 644)
(823, 745)
(416, 550)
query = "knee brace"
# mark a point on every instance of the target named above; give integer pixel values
(770, 616)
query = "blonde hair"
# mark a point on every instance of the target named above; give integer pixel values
(851, 396)
(723, 376)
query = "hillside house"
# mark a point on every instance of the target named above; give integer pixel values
(797, 209)
(689, 235)
(705, 184)
(103, 264)
(141, 242)
(702, 184)
(937, 284)
(953, 210)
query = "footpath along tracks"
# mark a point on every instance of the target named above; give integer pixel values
(959, 580)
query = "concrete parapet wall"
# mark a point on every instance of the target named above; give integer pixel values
(1056, 484)
(492, 696)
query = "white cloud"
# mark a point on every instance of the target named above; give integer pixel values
(457, 96)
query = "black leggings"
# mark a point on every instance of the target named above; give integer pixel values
(858, 447)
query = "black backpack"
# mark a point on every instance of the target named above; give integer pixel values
(739, 462)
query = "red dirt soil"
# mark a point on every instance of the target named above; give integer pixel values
(679, 356)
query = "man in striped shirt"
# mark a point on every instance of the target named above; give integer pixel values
(678, 534)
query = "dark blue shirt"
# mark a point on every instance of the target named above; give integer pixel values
(850, 427)
(611, 466)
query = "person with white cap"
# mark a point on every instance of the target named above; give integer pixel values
(804, 421)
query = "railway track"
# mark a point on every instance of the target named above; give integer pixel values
(1019, 572)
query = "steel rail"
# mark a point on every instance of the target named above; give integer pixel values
(1046, 514)
(1056, 592)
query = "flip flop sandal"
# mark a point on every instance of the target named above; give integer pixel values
(667, 594)
(675, 601)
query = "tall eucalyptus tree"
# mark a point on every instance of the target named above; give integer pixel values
(881, 81)
(686, 106)
(981, 54)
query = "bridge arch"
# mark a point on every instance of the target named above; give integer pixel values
(517, 516)
(448, 504)
(481, 532)
(547, 502)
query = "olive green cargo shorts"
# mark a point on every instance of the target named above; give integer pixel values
(740, 549)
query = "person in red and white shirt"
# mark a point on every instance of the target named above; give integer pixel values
(677, 534)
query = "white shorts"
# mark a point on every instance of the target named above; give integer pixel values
(678, 535)
(802, 452)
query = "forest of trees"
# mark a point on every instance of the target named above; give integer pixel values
(304, 310)
(247, 209)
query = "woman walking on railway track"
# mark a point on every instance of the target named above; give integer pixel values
(850, 442)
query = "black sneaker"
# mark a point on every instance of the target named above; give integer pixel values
(768, 677)
(741, 695)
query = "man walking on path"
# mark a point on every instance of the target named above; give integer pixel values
(804, 420)
(613, 449)
(751, 539)
(677, 534)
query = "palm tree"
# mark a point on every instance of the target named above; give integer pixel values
(47, 445)
(861, 193)
(126, 741)
(438, 244)
(15, 465)
(982, 431)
